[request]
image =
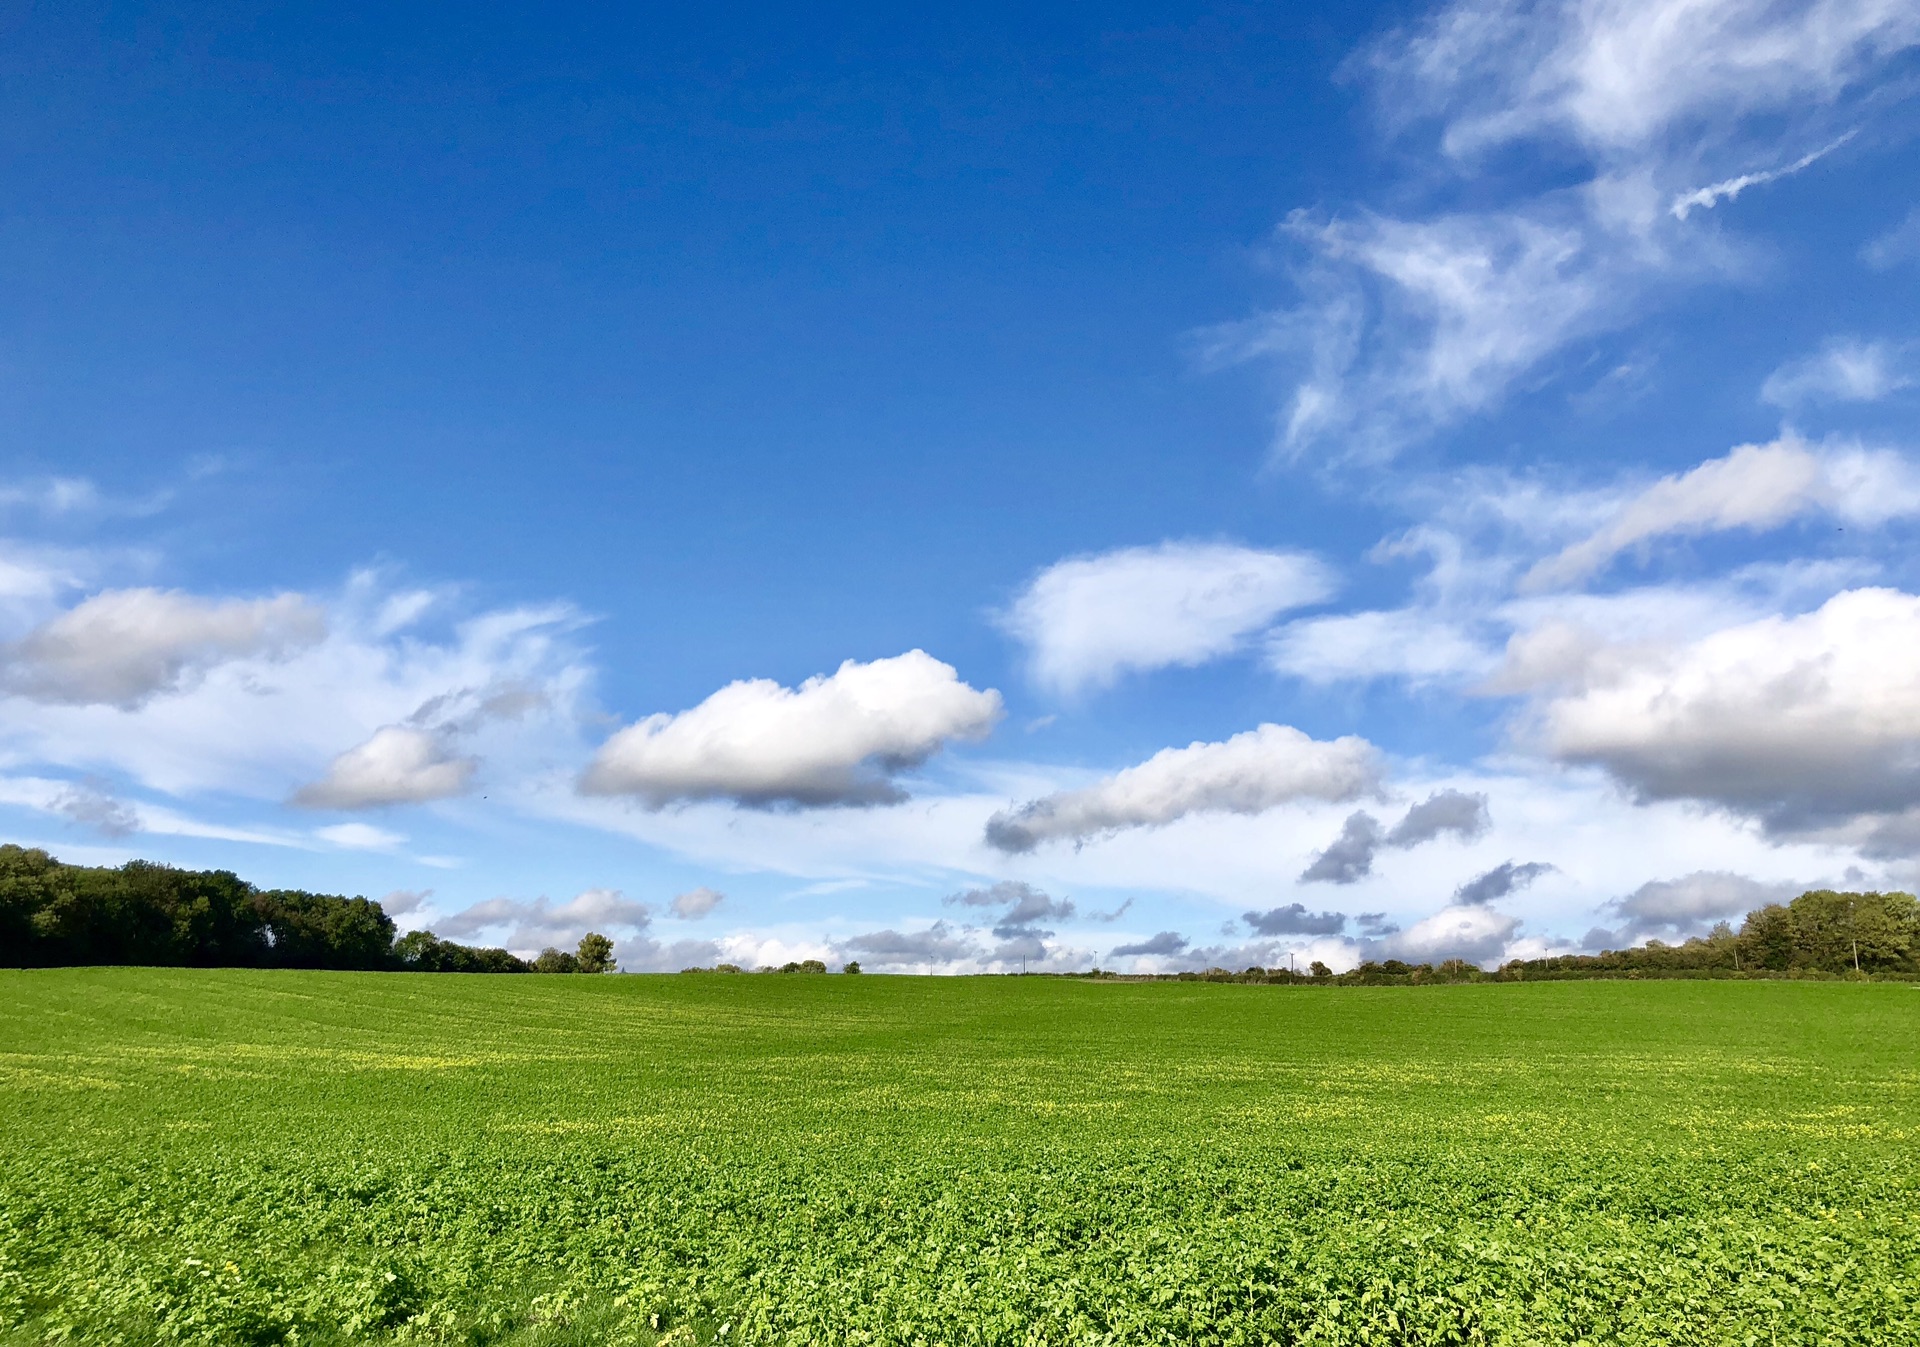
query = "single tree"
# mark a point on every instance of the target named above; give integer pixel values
(596, 954)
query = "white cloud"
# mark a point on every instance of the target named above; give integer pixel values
(1408, 643)
(1250, 773)
(1844, 370)
(1794, 720)
(1413, 322)
(1754, 488)
(405, 902)
(360, 837)
(1622, 77)
(122, 647)
(259, 725)
(696, 903)
(398, 765)
(1678, 908)
(838, 740)
(1087, 620)
(1470, 931)
(94, 808)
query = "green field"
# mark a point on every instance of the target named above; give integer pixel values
(315, 1157)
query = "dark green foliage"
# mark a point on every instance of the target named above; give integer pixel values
(140, 913)
(551, 960)
(56, 915)
(310, 930)
(595, 954)
(425, 952)
(1821, 931)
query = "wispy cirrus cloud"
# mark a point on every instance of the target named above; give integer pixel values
(1410, 322)
(1845, 369)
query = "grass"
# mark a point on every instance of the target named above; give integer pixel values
(256, 1157)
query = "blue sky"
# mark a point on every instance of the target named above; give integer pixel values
(1242, 481)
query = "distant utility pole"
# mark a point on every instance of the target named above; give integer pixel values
(1853, 931)
(1292, 972)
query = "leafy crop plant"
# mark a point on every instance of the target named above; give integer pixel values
(191, 1156)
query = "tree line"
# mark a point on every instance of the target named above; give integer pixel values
(1822, 933)
(58, 915)
(53, 914)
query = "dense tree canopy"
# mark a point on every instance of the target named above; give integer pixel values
(1821, 931)
(52, 914)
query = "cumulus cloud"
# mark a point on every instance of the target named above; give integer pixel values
(937, 944)
(1462, 813)
(397, 765)
(1683, 907)
(1349, 857)
(1087, 620)
(834, 740)
(1844, 370)
(258, 725)
(405, 902)
(93, 807)
(1792, 720)
(123, 647)
(1295, 919)
(1472, 931)
(1025, 906)
(695, 903)
(1755, 487)
(1497, 883)
(532, 926)
(1251, 773)
(1166, 944)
